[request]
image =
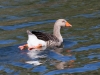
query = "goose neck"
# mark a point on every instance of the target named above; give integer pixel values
(56, 32)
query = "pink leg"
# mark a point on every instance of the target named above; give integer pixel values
(23, 46)
(35, 47)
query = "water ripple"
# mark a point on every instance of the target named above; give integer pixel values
(95, 27)
(39, 69)
(19, 64)
(60, 57)
(9, 17)
(92, 15)
(93, 56)
(7, 41)
(1, 68)
(87, 47)
(8, 70)
(85, 68)
(25, 25)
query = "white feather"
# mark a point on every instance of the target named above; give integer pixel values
(34, 41)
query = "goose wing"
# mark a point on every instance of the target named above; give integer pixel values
(45, 36)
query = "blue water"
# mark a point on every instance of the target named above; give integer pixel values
(7, 41)
(91, 15)
(88, 67)
(88, 47)
(18, 55)
(71, 58)
(13, 27)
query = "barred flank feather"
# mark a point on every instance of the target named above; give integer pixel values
(50, 39)
(51, 43)
(45, 36)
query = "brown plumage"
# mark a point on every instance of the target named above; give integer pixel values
(54, 39)
(45, 36)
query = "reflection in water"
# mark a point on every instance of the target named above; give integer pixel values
(62, 61)
(62, 65)
(34, 54)
(53, 56)
(58, 59)
(59, 56)
(21, 64)
(81, 52)
(40, 68)
(88, 67)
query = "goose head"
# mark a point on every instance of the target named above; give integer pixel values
(63, 23)
(58, 24)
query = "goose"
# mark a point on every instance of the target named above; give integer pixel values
(54, 39)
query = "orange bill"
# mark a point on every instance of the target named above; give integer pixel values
(68, 24)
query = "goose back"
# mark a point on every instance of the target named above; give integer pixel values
(45, 36)
(49, 38)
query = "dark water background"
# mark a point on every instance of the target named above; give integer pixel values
(80, 54)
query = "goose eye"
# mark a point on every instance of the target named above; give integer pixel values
(63, 21)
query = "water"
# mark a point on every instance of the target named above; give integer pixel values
(25, 25)
(80, 53)
(7, 41)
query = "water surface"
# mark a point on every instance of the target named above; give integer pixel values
(80, 53)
